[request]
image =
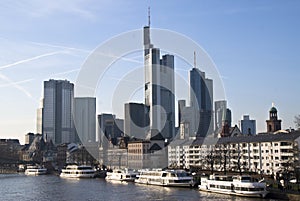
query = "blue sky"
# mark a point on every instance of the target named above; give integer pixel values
(254, 44)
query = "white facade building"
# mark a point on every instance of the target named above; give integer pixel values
(262, 153)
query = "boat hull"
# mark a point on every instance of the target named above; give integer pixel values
(36, 172)
(166, 184)
(260, 194)
(74, 171)
(77, 175)
(233, 185)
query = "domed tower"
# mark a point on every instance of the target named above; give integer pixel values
(273, 124)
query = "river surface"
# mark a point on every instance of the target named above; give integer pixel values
(51, 187)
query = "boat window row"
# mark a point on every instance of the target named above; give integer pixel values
(71, 172)
(220, 186)
(248, 189)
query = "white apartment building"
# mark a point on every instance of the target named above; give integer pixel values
(262, 153)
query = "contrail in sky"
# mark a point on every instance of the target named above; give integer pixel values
(13, 83)
(30, 59)
(16, 85)
(88, 51)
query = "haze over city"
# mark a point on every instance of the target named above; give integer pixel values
(254, 45)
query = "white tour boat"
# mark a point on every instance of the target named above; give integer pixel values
(121, 175)
(176, 178)
(35, 170)
(75, 171)
(241, 185)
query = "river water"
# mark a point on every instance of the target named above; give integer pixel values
(50, 187)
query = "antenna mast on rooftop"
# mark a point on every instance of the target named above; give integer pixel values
(195, 59)
(149, 16)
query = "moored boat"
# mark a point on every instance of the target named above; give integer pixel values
(35, 170)
(241, 185)
(75, 171)
(121, 175)
(172, 178)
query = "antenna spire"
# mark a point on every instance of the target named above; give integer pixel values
(149, 16)
(195, 59)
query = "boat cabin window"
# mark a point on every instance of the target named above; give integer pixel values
(245, 178)
(182, 174)
(164, 174)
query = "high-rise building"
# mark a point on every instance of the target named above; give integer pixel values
(136, 120)
(159, 88)
(201, 99)
(58, 124)
(273, 124)
(248, 127)
(110, 128)
(187, 120)
(228, 117)
(220, 114)
(39, 118)
(85, 118)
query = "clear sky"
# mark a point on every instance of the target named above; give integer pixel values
(254, 44)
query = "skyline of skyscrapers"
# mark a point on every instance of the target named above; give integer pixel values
(197, 118)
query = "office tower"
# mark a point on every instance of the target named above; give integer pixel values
(201, 99)
(110, 128)
(39, 118)
(228, 117)
(181, 106)
(273, 124)
(57, 111)
(187, 120)
(159, 88)
(167, 95)
(248, 127)
(136, 120)
(85, 118)
(220, 114)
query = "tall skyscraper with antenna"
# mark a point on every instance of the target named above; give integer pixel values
(201, 99)
(159, 87)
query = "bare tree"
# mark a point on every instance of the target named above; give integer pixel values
(297, 121)
(210, 159)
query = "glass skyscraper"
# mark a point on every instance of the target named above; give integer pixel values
(57, 118)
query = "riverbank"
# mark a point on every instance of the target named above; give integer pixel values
(8, 170)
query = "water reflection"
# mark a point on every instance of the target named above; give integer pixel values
(49, 187)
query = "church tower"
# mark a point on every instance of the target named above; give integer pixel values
(273, 124)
